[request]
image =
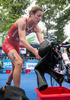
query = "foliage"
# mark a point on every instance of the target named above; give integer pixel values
(56, 15)
(10, 11)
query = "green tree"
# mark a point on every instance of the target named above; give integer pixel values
(10, 11)
(56, 15)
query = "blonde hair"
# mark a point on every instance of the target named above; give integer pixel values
(35, 9)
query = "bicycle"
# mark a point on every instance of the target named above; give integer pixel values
(49, 59)
(61, 67)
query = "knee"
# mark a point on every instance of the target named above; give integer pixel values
(19, 63)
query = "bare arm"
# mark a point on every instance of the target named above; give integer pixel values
(38, 33)
(22, 35)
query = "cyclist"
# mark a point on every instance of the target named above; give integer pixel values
(19, 30)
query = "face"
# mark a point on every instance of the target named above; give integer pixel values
(37, 16)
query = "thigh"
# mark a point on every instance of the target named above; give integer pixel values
(14, 56)
(9, 45)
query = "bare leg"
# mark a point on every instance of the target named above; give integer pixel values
(17, 62)
(16, 77)
(10, 77)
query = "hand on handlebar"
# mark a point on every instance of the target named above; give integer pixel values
(36, 54)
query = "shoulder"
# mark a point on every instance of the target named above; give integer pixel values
(20, 21)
